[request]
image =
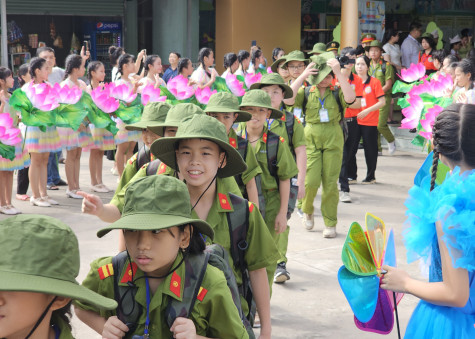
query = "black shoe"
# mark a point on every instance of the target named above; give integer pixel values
(61, 182)
(369, 181)
(281, 274)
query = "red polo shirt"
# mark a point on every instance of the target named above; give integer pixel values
(372, 91)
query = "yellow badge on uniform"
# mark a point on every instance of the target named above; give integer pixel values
(202, 293)
(105, 271)
(281, 139)
(132, 159)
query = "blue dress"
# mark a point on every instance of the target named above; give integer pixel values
(453, 202)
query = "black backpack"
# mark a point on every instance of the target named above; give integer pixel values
(143, 157)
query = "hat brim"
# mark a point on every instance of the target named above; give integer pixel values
(275, 113)
(319, 51)
(152, 221)
(159, 129)
(141, 125)
(366, 41)
(367, 48)
(165, 151)
(288, 93)
(306, 61)
(242, 115)
(275, 65)
(13, 281)
(332, 49)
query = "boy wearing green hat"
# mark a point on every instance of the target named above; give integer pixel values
(225, 107)
(318, 48)
(154, 113)
(36, 284)
(164, 254)
(290, 128)
(324, 136)
(278, 167)
(202, 156)
(384, 72)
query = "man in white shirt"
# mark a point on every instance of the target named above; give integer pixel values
(410, 48)
(56, 76)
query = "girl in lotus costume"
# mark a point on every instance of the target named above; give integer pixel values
(441, 231)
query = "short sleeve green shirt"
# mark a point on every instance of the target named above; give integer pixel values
(214, 316)
(298, 138)
(375, 70)
(253, 168)
(314, 104)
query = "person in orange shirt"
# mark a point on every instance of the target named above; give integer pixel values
(353, 129)
(425, 56)
(372, 100)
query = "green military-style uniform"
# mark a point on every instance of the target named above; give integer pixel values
(296, 108)
(154, 114)
(261, 251)
(376, 70)
(213, 314)
(253, 169)
(324, 145)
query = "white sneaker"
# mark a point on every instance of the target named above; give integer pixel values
(100, 189)
(345, 197)
(51, 201)
(72, 194)
(39, 202)
(329, 232)
(114, 171)
(7, 210)
(308, 221)
(105, 187)
(11, 207)
(391, 148)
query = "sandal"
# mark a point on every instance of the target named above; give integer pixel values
(22, 197)
(52, 187)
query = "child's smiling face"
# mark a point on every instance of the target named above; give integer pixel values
(198, 161)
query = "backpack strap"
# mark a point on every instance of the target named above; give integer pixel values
(153, 167)
(195, 269)
(289, 125)
(238, 222)
(143, 157)
(343, 124)
(272, 145)
(128, 309)
(305, 98)
(242, 149)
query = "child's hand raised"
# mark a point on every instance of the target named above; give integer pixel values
(91, 204)
(114, 328)
(183, 328)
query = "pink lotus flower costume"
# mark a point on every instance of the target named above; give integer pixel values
(42, 96)
(122, 92)
(9, 134)
(178, 86)
(236, 87)
(66, 95)
(203, 95)
(252, 78)
(151, 94)
(103, 99)
(413, 73)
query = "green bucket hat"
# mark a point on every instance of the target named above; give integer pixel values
(276, 64)
(319, 48)
(295, 56)
(157, 202)
(224, 102)
(259, 98)
(321, 64)
(205, 127)
(153, 114)
(374, 43)
(41, 254)
(274, 79)
(175, 116)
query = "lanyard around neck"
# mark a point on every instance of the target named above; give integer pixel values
(147, 320)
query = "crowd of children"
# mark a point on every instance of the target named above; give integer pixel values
(203, 205)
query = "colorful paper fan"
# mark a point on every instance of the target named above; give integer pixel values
(363, 255)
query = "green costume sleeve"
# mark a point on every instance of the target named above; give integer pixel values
(104, 287)
(286, 166)
(298, 139)
(217, 310)
(129, 171)
(262, 251)
(253, 168)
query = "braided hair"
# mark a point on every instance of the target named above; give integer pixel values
(36, 63)
(73, 61)
(229, 60)
(453, 137)
(22, 71)
(93, 67)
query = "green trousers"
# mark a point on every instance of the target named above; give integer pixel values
(383, 127)
(324, 156)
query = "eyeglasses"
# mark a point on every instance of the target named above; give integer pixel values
(296, 68)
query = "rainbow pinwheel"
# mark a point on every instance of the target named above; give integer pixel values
(363, 255)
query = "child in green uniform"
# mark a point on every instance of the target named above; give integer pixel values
(295, 62)
(384, 72)
(324, 136)
(225, 107)
(154, 113)
(203, 157)
(36, 284)
(290, 128)
(164, 248)
(277, 165)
